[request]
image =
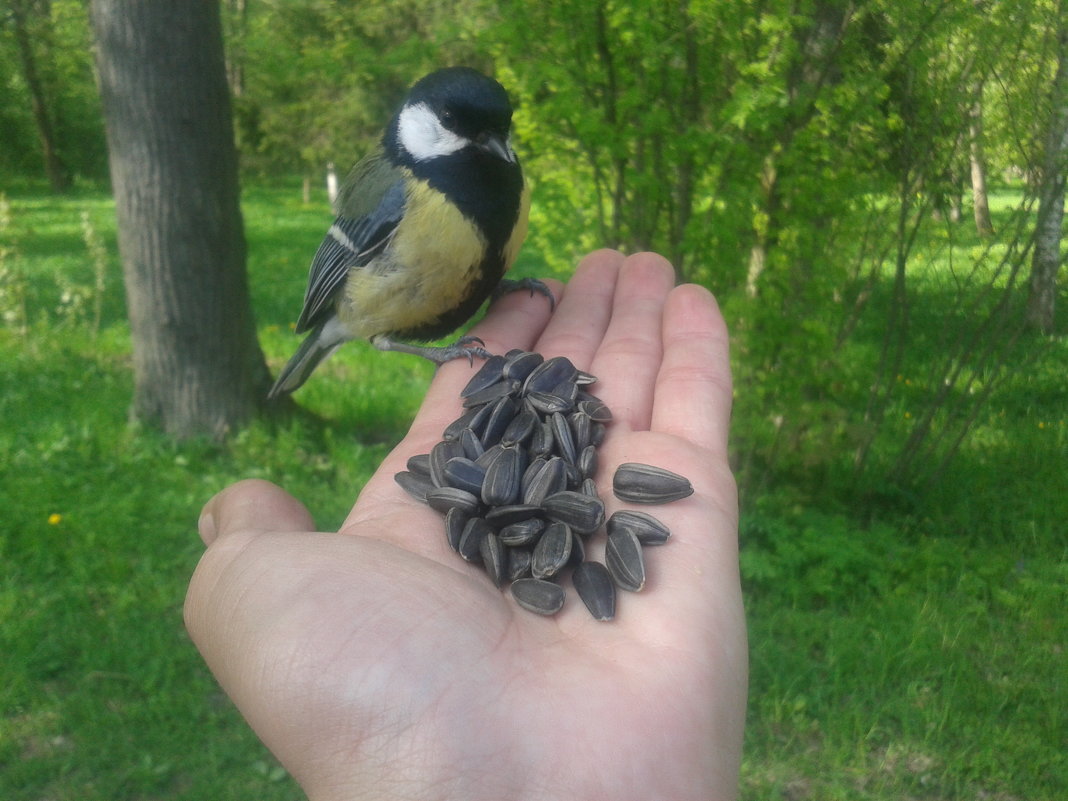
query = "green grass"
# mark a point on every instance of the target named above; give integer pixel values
(897, 651)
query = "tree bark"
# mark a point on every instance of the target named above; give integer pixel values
(55, 168)
(1046, 259)
(980, 205)
(197, 363)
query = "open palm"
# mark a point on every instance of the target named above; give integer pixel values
(376, 664)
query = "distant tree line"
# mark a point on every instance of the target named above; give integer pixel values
(787, 153)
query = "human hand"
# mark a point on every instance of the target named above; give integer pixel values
(374, 663)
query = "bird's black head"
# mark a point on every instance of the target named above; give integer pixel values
(447, 111)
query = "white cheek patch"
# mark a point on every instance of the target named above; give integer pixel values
(423, 135)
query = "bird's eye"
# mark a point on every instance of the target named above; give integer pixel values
(446, 116)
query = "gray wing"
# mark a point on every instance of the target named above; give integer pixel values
(370, 206)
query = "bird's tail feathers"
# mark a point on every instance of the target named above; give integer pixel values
(324, 339)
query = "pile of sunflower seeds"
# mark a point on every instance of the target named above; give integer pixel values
(513, 477)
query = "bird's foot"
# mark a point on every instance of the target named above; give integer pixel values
(466, 347)
(514, 284)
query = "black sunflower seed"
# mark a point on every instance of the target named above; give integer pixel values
(624, 560)
(521, 365)
(488, 374)
(462, 473)
(552, 478)
(475, 530)
(439, 455)
(595, 587)
(501, 516)
(414, 484)
(565, 441)
(518, 563)
(646, 528)
(538, 595)
(494, 558)
(583, 513)
(643, 483)
(547, 375)
(455, 522)
(504, 477)
(552, 552)
(420, 464)
(445, 498)
(522, 532)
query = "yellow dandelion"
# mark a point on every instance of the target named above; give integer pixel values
(908, 415)
(1041, 424)
(55, 519)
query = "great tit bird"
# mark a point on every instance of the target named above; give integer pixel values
(427, 226)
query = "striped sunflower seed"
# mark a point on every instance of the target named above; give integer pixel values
(455, 522)
(518, 563)
(646, 528)
(522, 364)
(552, 478)
(523, 532)
(420, 464)
(491, 371)
(475, 530)
(414, 484)
(547, 375)
(552, 552)
(439, 455)
(624, 560)
(494, 558)
(643, 483)
(462, 473)
(504, 477)
(501, 516)
(538, 595)
(583, 513)
(595, 587)
(445, 498)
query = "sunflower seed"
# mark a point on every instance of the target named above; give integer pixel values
(624, 560)
(597, 411)
(445, 498)
(643, 483)
(597, 432)
(552, 551)
(551, 479)
(520, 429)
(420, 464)
(594, 585)
(504, 477)
(472, 445)
(462, 473)
(589, 487)
(578, 552)
(522, 365)
(455, 521)
(475, 530)
(501, 516)
(549, 373)
(491, 394)
(587, 461)
(439, 455)
(501, 415)
(538, 595)
(583, 513)
(565, 442)
(518, 563)
(494, 557)
(582, 378)
(646, 528)
(547, 402)
(541, 441)
(581, 425)
(523, 532)
(489, 374)
(414, 484)
(453, 429)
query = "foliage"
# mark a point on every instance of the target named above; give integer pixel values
(893, 653)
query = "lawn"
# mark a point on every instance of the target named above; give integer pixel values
(898, 651)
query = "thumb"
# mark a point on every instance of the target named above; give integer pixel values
(252, 505)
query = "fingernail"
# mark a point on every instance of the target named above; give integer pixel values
(206, 526)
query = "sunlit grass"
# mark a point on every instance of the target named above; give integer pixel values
(911, 651)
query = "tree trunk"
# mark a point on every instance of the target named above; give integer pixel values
(58, 174)
(197, 364)
(1046, 259)
(980, 205)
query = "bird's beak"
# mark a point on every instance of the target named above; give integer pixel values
(496, 145)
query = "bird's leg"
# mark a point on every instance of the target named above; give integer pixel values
(533, 284)
(464, 348)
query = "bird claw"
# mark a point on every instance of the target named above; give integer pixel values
(508, 285)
